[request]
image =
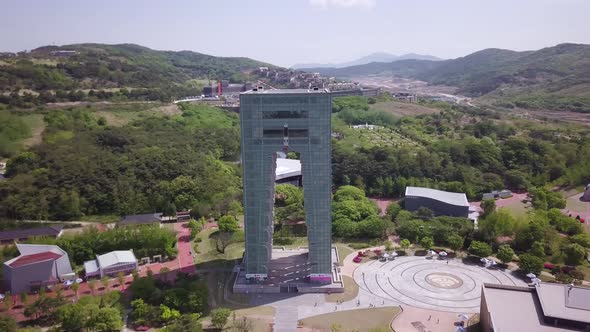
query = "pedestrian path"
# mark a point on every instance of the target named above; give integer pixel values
(285, 319)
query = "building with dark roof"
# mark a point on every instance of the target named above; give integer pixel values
(543, 308)
(441, 203)
(9, 237)
(140, 219)
(37, 266)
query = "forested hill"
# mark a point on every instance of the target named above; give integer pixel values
(53, 71)
(563, 69)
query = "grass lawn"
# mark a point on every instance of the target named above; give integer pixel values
(517, 208)
(37, 125)
(362, 320)
(343, 251)
(351, 290)
(208, 256)
(402, 109)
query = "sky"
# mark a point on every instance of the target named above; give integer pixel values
(285, 32)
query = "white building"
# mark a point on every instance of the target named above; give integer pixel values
(111, 264)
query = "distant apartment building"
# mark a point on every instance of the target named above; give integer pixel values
(37, 266)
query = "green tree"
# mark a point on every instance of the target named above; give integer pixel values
(392, 210)
(530, 264)
(75, 288)
(71, 317)
(424, 213)
(8, 324)
(105, 281)
(574, 254)
(228, 224)
(104, 319)
(219, 317)
(92, 285)
(488, 206)
(167, 314)
(538, 249)
(24, 297)
(404, 244)
(582, 239)
(121, 279)
(427, 242)
(505, 253)
(186, 323)
(480, 249)
(455, 242)
(140, 311)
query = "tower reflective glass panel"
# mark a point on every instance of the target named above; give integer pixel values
(286, 120)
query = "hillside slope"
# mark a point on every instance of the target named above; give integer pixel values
(563, 70)
(53, 70)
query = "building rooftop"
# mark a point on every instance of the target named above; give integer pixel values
(33, 258)
(284, 91)
(116, 257)
(91, 267)
(514, 308)
(558, 301)
(30, 232)
(287, 168)
(140, 219)
(444, 196)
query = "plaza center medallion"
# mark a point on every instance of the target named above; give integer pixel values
(444, 280)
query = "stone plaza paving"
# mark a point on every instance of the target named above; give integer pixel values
(430, 283)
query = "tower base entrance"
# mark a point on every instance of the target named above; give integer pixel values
(289, 272)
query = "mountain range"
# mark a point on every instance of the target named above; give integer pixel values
(374, 57)
(562, 70)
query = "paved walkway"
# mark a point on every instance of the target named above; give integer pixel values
(285, 319)
(186, 261)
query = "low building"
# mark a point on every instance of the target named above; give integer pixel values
(141, 219)
(497, 194)
(38, 265)
(111, 264)
(288, 171)
(9, 237)
(441, 203)
(183, 215)
(543, 308)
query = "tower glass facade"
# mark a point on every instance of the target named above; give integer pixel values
(279, 120)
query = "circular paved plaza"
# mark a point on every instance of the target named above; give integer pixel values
(430, 283)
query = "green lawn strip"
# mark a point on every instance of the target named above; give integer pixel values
(362, 320)
(351, 290)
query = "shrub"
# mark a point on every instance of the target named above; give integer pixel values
(530, 263)
(283, 241)
(356, 246)
(480, 249)
(505, 253)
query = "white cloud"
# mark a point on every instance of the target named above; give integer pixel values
(343, 3)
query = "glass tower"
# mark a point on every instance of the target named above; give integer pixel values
(286, 120)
